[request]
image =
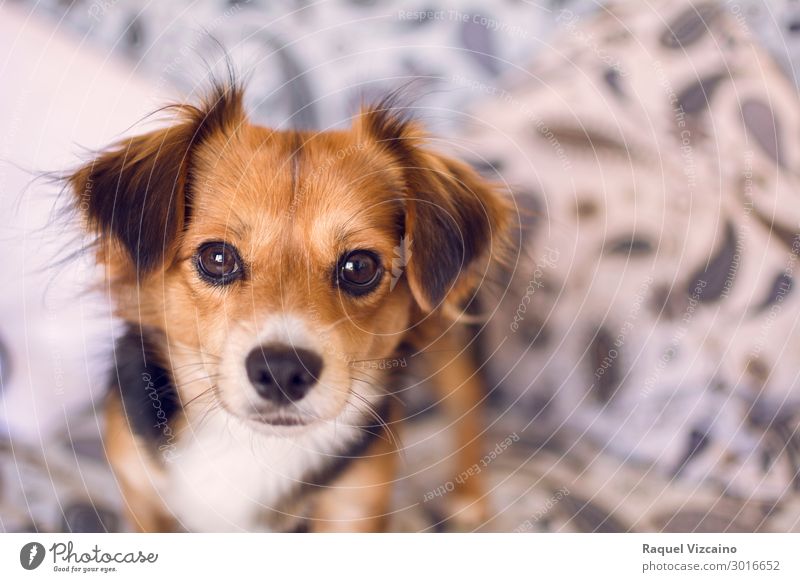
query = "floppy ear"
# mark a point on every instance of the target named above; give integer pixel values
(455, 221)
(136, 196)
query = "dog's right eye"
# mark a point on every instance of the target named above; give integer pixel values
(218, 263)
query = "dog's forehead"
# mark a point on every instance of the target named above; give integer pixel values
(327, 185)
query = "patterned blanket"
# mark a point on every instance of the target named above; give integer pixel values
(653, 314)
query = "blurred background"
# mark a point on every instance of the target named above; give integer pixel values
(642, 358)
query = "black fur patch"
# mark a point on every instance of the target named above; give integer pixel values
(452, 226)
(444, 245)
(138, 191)
(148, 396)
(389, 120)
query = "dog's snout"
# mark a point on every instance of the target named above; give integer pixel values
(282, 374)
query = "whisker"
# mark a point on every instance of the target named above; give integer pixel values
(380, 388)
(377, 417)
(181, 367)
(206, 392)
(398, 448)
(214, 406)
(181, 349)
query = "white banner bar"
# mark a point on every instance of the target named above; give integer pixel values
(401, 557)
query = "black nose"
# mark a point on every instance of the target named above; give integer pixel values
(282, 374)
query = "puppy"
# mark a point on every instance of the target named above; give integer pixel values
(255, 269)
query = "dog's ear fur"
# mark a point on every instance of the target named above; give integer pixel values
(136, 196)
(455, 221)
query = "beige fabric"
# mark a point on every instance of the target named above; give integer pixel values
(656, 314)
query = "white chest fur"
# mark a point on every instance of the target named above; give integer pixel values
(226, 476)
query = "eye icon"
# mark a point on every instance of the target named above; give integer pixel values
(31, 555)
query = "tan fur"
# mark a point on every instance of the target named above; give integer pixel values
(358, 501)
(460, 393)
(134, 468)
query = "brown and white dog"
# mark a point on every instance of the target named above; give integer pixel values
(253, 268)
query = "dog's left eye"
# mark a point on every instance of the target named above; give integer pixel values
(218, 262)
(359, 272)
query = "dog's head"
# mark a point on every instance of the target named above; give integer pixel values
(272, 261)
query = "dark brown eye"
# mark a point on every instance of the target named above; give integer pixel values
(218, 263)
(359, 272)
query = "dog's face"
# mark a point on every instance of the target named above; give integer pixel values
(275, 264)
